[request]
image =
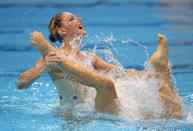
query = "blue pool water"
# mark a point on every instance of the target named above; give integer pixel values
(128, 27)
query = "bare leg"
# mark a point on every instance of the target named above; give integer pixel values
(159, 60)
(168, 95)
(106, 98)
(40, 43)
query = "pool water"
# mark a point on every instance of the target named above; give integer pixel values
(128, 28)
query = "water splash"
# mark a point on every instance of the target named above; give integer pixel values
(138, 44)
(27, 25)
(138, 96)
(189, 117)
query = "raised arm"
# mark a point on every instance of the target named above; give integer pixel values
(26, 78)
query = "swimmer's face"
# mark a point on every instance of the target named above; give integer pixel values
(72, 25)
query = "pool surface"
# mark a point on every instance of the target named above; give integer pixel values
(128, 28)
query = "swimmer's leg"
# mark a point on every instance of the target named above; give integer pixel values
(40, 43)
(160, 58)
(167, 92)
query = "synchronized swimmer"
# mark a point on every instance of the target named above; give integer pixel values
(68, 76)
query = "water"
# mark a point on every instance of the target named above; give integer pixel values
(130, 35)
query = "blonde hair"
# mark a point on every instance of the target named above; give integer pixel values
(54, 24)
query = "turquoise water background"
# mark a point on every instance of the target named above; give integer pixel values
(118, 25)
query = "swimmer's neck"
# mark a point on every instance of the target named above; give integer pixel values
(67, 44)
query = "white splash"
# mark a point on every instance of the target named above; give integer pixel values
(189, 117)
(138, 96)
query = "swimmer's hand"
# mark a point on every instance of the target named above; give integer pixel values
(52, 59)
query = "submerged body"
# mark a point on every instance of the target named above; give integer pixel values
(68, 75)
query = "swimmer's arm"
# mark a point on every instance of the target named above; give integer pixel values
(26, 78)
(100, 64)
(88, 77)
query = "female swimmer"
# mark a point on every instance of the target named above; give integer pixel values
(68, 76)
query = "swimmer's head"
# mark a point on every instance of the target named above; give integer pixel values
(65, 25)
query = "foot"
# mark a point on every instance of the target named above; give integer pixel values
(167, 92)
(40, 43)
(160, 58)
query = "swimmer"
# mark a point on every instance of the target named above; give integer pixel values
(68, 76)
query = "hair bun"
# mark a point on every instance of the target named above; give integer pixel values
(52, 38)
